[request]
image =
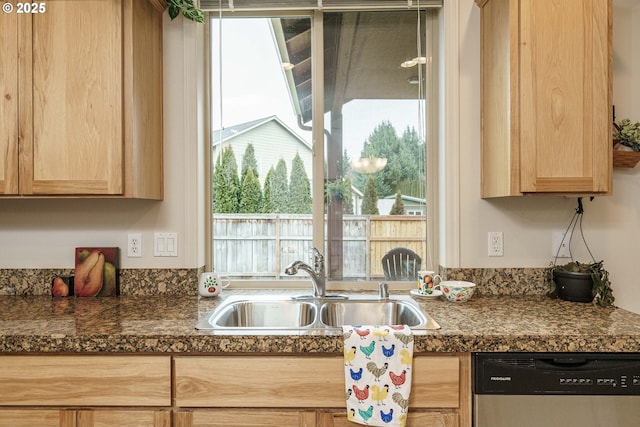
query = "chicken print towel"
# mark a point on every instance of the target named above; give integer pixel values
(377, 373)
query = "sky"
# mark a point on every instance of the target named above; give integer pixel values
(254, 87)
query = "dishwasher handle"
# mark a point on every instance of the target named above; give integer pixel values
(567, 362)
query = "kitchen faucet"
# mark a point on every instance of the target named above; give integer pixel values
(316, 274)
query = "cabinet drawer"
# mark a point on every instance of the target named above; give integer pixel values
(301, 382)
(85, 380)
(37, 417)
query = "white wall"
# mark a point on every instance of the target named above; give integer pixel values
(611, 224)
(43, 233)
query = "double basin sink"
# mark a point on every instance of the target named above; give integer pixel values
(260, 313)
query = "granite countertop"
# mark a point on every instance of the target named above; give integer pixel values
(165, 324)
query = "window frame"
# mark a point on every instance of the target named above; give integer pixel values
(318, 173)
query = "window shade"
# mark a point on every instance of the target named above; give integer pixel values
(260, 5)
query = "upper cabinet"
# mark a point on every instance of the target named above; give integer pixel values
(546, 71)
(81, 106)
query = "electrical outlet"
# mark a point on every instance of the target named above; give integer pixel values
(561, 251)
(495, 243)
(134, 245)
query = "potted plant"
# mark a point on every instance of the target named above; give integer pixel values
(626, 143)
(580, 282)
(576, 281)
(627, 133)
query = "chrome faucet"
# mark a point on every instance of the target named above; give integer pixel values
(316, 274)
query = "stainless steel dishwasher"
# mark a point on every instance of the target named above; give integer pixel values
(556, 389)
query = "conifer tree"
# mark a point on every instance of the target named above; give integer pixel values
(299, 188)
(251, 196)
(398, 206)
(370, 198)
(226, 184)
(266, 193)
(347, 201)
(249, 162)
(279, 189)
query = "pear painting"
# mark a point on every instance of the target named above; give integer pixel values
(96, 272)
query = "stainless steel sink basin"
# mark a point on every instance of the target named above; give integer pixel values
(372, 312)
(265, 314)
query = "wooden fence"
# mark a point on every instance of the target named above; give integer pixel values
(261, 246)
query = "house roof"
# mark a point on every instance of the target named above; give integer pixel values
(408, 198)
(239, 129)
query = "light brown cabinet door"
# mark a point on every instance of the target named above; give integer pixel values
(85, 380)
(81, 100)
(301, 382)
(244, 418)
(124, 418)
(546, 72)
(9, 104)
(565, 96)
(71, 116)
(413, 419)
(37, 417)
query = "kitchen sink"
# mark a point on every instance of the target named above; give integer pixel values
(371, 312)
(265, 314)
(269, 314)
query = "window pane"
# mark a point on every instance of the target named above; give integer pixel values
(261, 156)
(375, 144)
(374, 117)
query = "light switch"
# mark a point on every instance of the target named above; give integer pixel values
(165, 244)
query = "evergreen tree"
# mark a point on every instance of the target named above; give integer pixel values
(398, 206)
(249, 162)
(405, 156)
(226, 184)
(370, 198)
(346, 164)
(251, 196)
(347, 202)
(266, 193)
(279, 189)
(299, 188)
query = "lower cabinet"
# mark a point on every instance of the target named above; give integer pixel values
(432, 418)
(307, 391)
(213, 391)
(124, 418)
(243, 417)
(84, 391)
(37, 417)
(302, 418)
(84, 418)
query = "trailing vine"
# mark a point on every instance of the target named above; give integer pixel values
(602, 292)
(187, 8)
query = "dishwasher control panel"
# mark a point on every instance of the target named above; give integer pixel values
(557, 373)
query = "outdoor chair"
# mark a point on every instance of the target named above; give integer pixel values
(401, 264)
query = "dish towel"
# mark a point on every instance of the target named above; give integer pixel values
(377, 373)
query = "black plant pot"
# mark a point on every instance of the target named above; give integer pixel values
(574, 286)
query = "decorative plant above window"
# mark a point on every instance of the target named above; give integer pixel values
(627, 133)
(187, 8)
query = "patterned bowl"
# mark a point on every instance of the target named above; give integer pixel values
(457, 291)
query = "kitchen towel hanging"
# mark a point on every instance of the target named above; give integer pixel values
(377, 373)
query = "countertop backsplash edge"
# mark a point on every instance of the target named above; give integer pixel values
(184, 281)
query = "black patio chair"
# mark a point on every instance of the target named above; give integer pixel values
(401, 264)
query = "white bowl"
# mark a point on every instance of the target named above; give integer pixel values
(456, 290)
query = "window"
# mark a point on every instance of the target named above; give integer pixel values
(319, 137)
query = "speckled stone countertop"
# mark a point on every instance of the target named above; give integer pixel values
(165, 324)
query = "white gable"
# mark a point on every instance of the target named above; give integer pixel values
(271, 141)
